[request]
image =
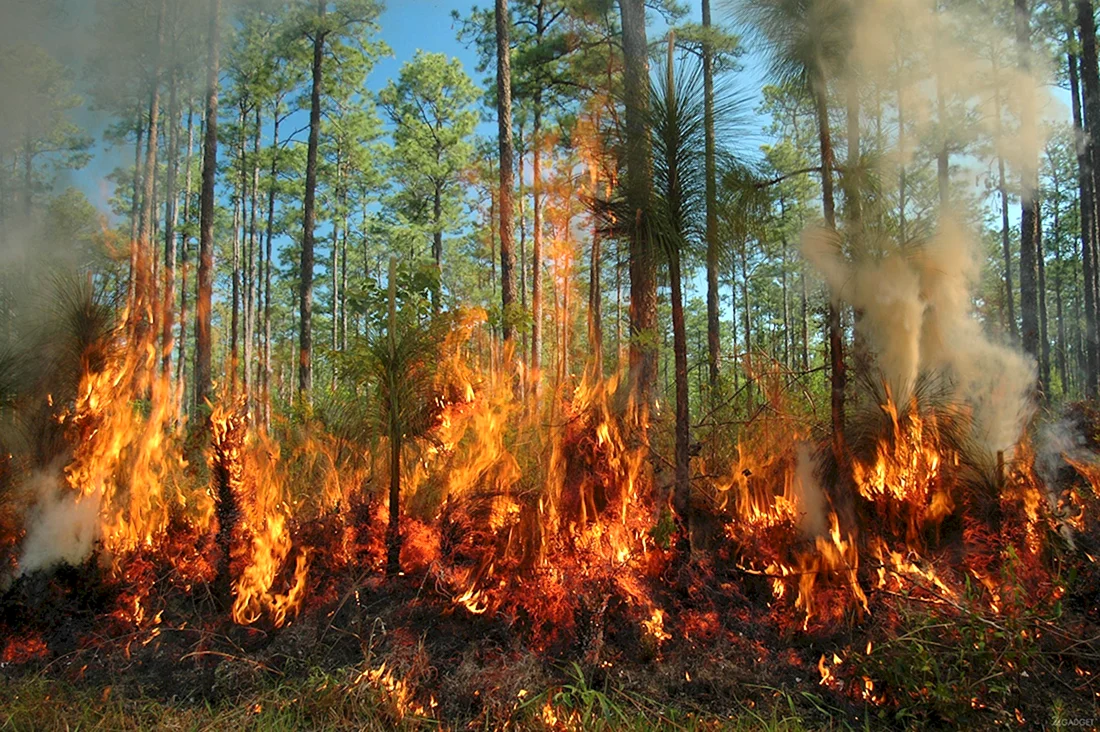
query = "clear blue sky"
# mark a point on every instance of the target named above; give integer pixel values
(406, 25)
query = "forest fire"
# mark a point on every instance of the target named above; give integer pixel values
(436, 438)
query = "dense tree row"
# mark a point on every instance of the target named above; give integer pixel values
(636, 220)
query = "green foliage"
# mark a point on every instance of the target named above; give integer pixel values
(947, 665)
(431, 108)
(36, 118)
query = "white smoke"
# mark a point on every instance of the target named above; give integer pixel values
(958, 80)
(807, 493)
(62, 525)
(917, 317)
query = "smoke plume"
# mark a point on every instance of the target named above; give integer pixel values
(61, 527)
(955, 80)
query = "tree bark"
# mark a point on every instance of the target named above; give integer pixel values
(639, 185)
(1002, 188)
(714, 336)
(1091, 125)
(1044, 335)
(536, 230)
(393, 531)
(181, 360)
(250, 288)
(171, 197)
(309, 217)
(507, 179)
(1029, 199)
(141, 282)
(267, 268)
(838, 369)
(206, 215)
(238, 235)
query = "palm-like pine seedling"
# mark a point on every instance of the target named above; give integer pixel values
(402, 363)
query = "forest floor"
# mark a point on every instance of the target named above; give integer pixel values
(400, 654)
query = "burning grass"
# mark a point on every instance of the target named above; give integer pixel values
(545, 581)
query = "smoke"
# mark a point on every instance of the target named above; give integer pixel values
(61, 527)
(955, 80)
(809, 498)
(916, 317)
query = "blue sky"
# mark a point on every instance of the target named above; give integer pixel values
(406, 25)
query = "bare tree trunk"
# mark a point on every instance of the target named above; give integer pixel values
(250, 264)
(267, 268)
(206, 226)
(238, 230)
(309, 216)
(1091, 119)
(393, 532)
(639, 184)
(714, 335)
(524, 353)
(804, 320)
(1002, 187)
(1063, 371)
(595, 322)
(135, 204)
(141, 282)
(1044, 335)
(536, 255)
(507, 182)
(171, 197)
(344, 268)
(1029, 199)
(838, 376)
(181, 359)
(437, 243)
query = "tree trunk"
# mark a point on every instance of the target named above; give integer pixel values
(437, 244)
(507, 182)
(141, 281)
(804, 319)
(250, 263)
(714, 336)
(238, 230)
(135, 204)
(181, 360)
(344, 268)
(1091, 82)
(524, 353)
(393, 531)
(171, 197)
(595, 320)
(746, 314)
(682, 492)
(1044, 335)
(1006, 249)
(267, 268)
(206, 214)
(1029, 199)
(1063, 372)
(309, 216)
(838, 373)
(1086, 206)
(1002, 188)
(334, 271)
(639, 184)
